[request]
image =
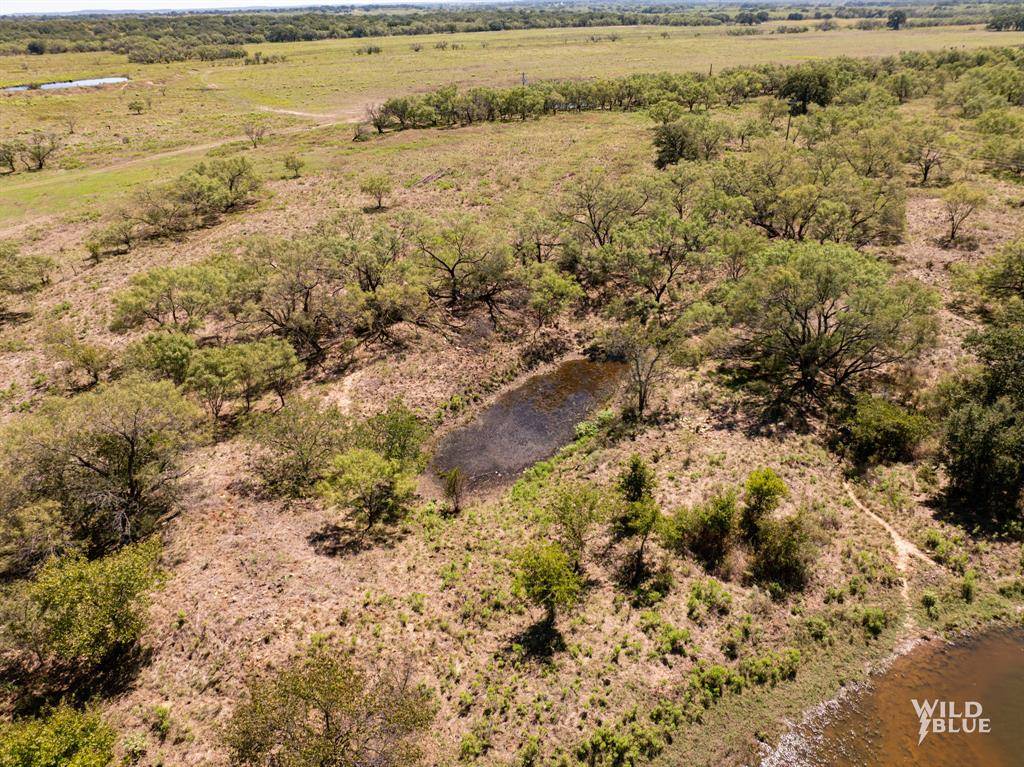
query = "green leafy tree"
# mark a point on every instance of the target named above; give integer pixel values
(20, 274)
(295, 444)
(319, 710)
(546, 575)
(816, 321)
(294, 165)
(551, 293)
(110, 457)
(80, 611)
(79, 357)
(983, 432)
(805, 85)
(575, 510)
(960, 202)
(377, 186)
(376, 488)
(243, 371)
(174, 297)
(896, 19)
(61, 737)
(691, 138)
(763, 492)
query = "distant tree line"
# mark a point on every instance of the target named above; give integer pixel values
(974, 80)
(176, 36)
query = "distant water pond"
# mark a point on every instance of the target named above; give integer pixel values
(528, 423)
(93, 83)
(882, 727)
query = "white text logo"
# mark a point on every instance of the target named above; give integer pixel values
(949, 716)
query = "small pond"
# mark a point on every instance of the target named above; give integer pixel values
(880, 726)
(528, 423)
(93, 83)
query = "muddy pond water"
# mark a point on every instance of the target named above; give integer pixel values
(527, 423)
(881, 728)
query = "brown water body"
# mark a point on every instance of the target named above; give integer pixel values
(880, 726)
(527, 424)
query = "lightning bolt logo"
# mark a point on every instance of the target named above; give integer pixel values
(924, 714)
(923, 728)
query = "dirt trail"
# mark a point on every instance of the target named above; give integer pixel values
(905, 549)
(323, 121)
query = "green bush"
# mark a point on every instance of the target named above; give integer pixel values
(319, 709)
(636, 482)
(771, 667)
(80, 611)
(376, 488)
(709, 683)
(61, 737)
(783, 554)
(545, 574)
(165, 354)
(983, 450)
(295, 444)
(762, 494)
(706, 530)
(880, 430)
(874, 621)
(707, 596)
(397, 433)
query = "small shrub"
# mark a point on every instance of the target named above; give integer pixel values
(706, 530)
(969, 586)
(772, 667)
(784, 553)
(636, 482)
(762, 494)
(874, 621)
(707, 596)
(709, 683)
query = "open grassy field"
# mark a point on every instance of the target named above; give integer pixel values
(253, 578)
(194, 108)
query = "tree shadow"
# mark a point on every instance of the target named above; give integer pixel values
(49, 684)
(976, 523)
(538, 642)
(347, 539)
(13, 317)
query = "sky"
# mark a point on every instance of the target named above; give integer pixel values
(66, 6)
